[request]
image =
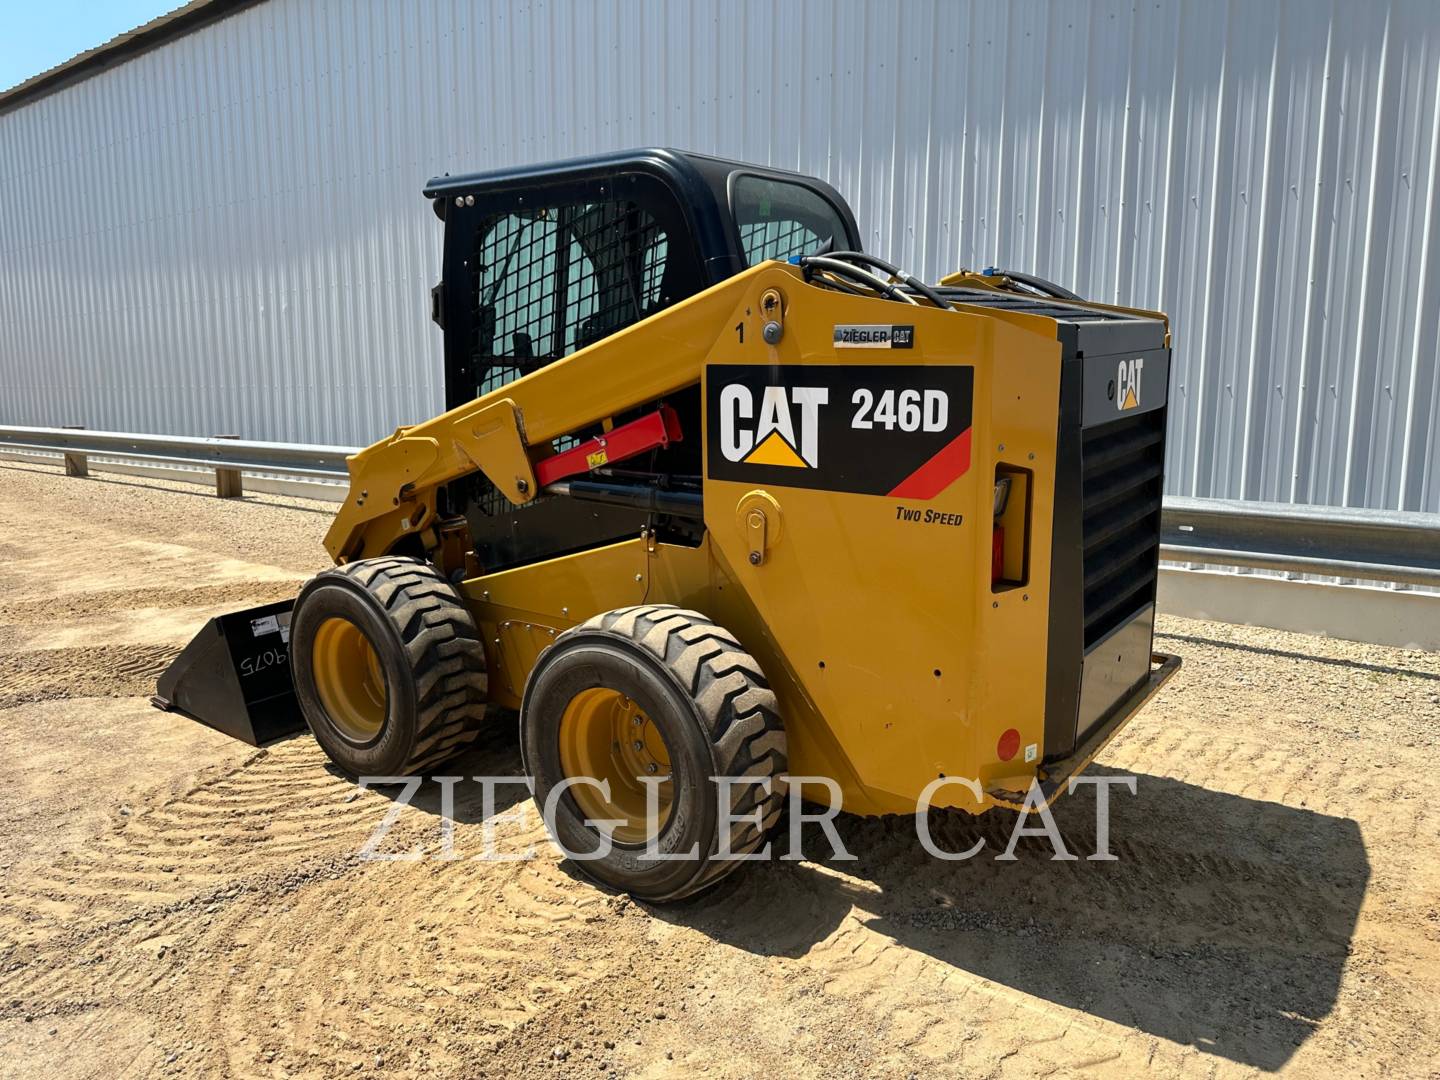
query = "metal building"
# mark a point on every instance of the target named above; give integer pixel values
(214, 225)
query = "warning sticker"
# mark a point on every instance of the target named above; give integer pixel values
(269, 624)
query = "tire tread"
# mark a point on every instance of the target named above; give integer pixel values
(736, 706)
(442, 646)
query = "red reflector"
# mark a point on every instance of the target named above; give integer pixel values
(1009, 745)
(997, 554)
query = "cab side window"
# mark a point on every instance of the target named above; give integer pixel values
(779, 220)
(515, 297)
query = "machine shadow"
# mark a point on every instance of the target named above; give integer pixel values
(1224, 923)
(495, 752)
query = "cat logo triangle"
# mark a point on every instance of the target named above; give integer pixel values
(774, 450)
(1130, 400)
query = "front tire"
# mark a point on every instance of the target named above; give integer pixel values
(388, 666)
(654, 692)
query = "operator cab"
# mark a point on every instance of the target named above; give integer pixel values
(542, 261)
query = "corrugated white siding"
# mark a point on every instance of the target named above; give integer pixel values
(226, 235)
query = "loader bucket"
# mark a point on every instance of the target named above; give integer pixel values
(235, 676)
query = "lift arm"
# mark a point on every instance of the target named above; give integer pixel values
(393, 483)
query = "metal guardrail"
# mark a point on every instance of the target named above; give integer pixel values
(1369, 545)
(229, 457)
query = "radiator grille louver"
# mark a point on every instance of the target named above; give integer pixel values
(1123, 475)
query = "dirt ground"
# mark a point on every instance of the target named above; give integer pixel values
(179, 904)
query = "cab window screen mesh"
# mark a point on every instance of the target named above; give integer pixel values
(549, 282)
(776, 240)
(778, 219)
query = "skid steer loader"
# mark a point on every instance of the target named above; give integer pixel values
(718, 495)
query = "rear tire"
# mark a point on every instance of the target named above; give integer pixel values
(606, 684)
(388, 666)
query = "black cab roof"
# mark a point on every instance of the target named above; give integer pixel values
(708, 188)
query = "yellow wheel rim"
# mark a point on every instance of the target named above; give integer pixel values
(605, 735)
(349, 679)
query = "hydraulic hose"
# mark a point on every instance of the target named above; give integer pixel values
(1040, 285)
(855, 273)
(686, 504)
(895, 272)
(841, 286)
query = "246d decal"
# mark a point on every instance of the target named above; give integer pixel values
(901, 431)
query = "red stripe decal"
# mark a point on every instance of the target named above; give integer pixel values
(942, 470)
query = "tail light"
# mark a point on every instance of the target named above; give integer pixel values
(997, 534)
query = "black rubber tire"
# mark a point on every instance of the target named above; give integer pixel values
(716, 712)
(429, 650)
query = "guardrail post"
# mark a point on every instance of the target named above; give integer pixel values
(227, 481)
(76, 464)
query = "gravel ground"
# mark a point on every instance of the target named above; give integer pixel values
(179, 904)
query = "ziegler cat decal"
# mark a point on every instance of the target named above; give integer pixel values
(867, 336)
(901, 431)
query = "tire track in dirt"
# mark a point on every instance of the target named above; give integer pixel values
(156, 566)
(69, 606)
(1387, 795)
(257, 868)
(286, 957)
(85, 671)
(279, 806)
(470, 953)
